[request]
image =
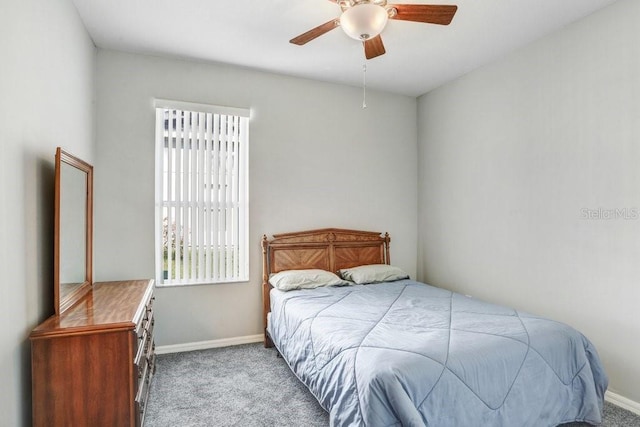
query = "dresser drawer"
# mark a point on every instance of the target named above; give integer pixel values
(141, 347)
(148, 315)
(147, 318)
(143, 393)
(140, 363)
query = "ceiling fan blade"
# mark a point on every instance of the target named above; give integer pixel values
(373, 47)
(428, 13)
(314, 32)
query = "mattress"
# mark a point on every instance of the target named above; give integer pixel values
(408, 354)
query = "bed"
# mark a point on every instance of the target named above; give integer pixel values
(403, 353)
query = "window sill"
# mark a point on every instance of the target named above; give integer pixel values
(186, 284)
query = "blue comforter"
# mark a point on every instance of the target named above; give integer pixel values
(408, 354)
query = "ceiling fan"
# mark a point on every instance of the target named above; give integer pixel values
(364, 20)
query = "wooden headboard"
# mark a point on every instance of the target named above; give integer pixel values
(328, 249)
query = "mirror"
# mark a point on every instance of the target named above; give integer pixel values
(73, 230)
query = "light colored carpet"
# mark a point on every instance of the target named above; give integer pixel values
(248, 386)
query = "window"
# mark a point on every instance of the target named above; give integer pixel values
(201, 193)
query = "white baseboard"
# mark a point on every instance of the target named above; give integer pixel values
(203, 345)
(622, 402)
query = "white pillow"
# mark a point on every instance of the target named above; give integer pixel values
(373, 273)
(304, 279)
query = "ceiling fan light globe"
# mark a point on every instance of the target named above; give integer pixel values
(364, 21)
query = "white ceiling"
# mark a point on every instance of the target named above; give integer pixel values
(256, 34)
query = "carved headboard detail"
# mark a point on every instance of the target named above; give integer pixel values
(328, 249)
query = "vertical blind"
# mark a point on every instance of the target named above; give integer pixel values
(202, 193)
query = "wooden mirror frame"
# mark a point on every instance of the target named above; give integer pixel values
(63, 302)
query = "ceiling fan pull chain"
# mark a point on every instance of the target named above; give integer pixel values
(364, 86)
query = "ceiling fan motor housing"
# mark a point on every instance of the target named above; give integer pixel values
(364, 21)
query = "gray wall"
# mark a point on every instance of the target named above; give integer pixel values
(46, 96)
(509, 157)
(316, 160)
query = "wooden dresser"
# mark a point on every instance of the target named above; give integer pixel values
(92, 365)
